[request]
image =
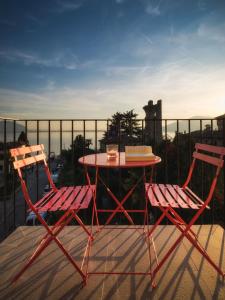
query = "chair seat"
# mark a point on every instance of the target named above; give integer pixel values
(172, 195)
(66, 198)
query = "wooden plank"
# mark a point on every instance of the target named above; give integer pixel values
(167, 195)
(210, 148)
(185, 198)
(28, 161)
(151, 196)
(209, 159)
(173, 192)
(26, 150)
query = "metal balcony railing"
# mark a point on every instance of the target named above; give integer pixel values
(65, 140)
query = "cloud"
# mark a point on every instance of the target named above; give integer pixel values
(202, 5)
(120, 1)
(65, 59)
(50, 85)
(34, 19)
(181, 67)
(125, 71)
(26, 58)
(67, 6)
(185, 88)
(212, 32)
(8, 23)
(26, 103)
(204, 43)
(153, 10)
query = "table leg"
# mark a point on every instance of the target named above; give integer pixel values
(120, 204)
(94, 211)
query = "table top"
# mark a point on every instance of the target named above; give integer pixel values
(100, 160)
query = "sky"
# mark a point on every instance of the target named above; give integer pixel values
(92, 58)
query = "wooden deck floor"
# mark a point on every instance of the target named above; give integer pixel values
(186, 275)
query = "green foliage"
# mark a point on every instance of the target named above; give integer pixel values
(73, 172)
(176, 157)
(124, 129)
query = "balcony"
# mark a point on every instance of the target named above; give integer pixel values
(185, 273)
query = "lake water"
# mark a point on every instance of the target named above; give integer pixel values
(78, 127)
(55, 139)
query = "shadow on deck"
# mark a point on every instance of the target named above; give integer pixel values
(186, 275)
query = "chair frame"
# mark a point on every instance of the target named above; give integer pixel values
(168, 211)
(21, 161)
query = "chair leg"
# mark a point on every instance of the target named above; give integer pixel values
(70, 258)
(81, 224)
(36, 253)
(195, 242)
(96, 213)
(158, 221)
(57, 227)
(184, 232)
(45, 241)
(199, 247)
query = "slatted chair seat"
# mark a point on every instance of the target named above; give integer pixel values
(166, 195)
(171, 198)
(73, 198)
(70, 200)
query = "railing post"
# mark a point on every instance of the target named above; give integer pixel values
(166, 153)
(96, 136)
(107, 132)
(61, 129)
(72, 150)
(49, 144)
(178, 152)
(25, 203)
(224, 175)
(37, 165)
(84, 134)
(14, 179)
(119, 129)
(142, 132)
(202, 172)
(5, 181)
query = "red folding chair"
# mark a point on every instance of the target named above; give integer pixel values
(169, 197)
(70, 200)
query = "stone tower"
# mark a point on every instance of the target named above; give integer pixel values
(153, 122)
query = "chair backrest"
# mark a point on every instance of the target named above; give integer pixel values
(211, 155)
(25, 156)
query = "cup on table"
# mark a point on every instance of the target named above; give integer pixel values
(112, 151)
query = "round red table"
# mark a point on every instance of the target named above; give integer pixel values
(100, 160)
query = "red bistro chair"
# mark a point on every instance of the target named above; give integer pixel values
(169, 197)
(67, 199)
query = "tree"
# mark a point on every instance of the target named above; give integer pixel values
(72, 171)
(123, 130)
(22, 139)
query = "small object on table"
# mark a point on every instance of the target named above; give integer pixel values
(112, 151)
(139, 153)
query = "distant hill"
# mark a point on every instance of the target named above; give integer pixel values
(9, 129)
(183, 124)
